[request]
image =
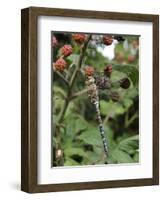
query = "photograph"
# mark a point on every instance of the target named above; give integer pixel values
(90, 99)
(95, 99)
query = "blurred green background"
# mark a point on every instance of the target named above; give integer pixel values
(76, 139)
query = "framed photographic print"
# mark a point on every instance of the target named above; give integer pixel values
(90, 99)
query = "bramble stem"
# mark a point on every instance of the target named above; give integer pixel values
(106, 119)
(62, 77)
(84, 91)
(130, 121)
(73, 78)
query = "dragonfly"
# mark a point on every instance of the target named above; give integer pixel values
(94, 98)
(102, 82)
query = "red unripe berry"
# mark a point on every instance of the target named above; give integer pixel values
(108, 70)
(60, 64)
(79, 38)
(54, 41)
(89, 71)
(131, 58)
(107, 39)
(66, 50)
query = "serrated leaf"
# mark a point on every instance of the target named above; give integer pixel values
(91, 136)
(74, 123)
(74, 150)
(129, 145)
(121, 156)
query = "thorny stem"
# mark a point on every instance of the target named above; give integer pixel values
(129, 121)
(79, 93)
(73, 78)
(62, 77)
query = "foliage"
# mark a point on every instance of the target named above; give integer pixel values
(75, 130)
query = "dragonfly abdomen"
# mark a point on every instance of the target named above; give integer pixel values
(94, 97)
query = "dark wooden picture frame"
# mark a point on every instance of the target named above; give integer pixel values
(29, 175)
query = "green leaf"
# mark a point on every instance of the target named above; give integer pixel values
(96, 59)
(125, 151)
(70, 109)
(121, 156)
(127, 102)
(129, 145)
(136, 157)
(74, 123)
(74, 58)
(58, 92)
(130, 70)
(111, 108)
(58, 100)
(75, 151)
(70, 162)
(91, 136)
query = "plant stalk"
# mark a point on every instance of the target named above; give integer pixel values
(73, 78)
